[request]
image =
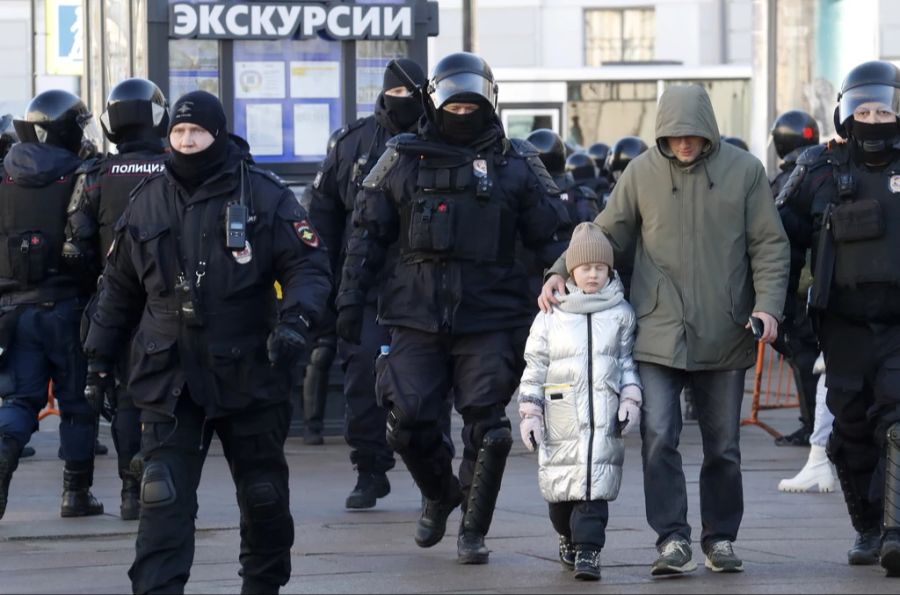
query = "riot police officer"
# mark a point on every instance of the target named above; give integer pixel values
(841, 201)
(599, 152)
(452, 200)
(136, 120)
(7, 135)
(736, 141)
(356, 151)
(793, 132)
(581, 201)
(193, 265)
(581, 167)
(623, 152)
(42, 295)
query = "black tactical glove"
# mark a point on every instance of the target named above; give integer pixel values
(349, 324)
(100, 389)
(287, 341)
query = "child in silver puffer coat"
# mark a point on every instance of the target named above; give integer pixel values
(579, 394)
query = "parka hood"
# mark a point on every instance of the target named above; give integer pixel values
(686, 110)
(35, 165)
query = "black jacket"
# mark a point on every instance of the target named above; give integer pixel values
(166, 232)
(453, 295)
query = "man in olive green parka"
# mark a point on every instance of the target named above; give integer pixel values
(710, 252)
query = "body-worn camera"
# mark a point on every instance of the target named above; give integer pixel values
(190, 313)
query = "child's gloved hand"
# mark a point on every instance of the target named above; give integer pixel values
(630, 408)
(532, 425)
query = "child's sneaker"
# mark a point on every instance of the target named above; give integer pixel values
(720, 557)
(566, 553)
(587, 565)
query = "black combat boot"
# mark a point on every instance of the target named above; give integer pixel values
(866, 548)
(131, 497)
(433, 522)
(251, 586)
(77, 499)
(369, 487)
(9, 461)
(890, 552)
(470, 548)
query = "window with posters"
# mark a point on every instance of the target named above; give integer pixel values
(288, 73)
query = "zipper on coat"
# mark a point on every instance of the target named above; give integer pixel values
(590, 385)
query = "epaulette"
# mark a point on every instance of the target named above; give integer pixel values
(272, 176)
(523, 148)
(350, 128)
(809, 160)
(532, 158)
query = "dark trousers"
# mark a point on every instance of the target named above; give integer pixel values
(483, 370)
(46, 348)
(126, 430)
(583, 523)
(717, 402)
(863, 380)
(805, 350)
(364, 418)
(174, 452)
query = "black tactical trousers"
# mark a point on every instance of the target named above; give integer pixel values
(126, 430)
(583, 523)
(863, 379)
(805, 350)
(174, 453)
(483, 369)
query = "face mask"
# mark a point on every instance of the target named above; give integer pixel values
(195, 168)
(873, 143)
(462, 129)
(404, 111)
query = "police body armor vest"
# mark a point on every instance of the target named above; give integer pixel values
(119, 176)
(32, 229)
(455, 213)
(865, 225)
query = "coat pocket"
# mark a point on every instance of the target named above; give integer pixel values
(560, 413)
(154, 241)
(153, 374)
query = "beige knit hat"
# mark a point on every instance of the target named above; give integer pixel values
(588, 244)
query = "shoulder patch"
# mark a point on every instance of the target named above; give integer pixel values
(306, 233)
(385, 164)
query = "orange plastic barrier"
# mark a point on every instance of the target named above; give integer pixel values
(773, 387)
(50, 408)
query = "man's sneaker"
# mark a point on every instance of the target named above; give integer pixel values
(720, 557)
(587, 565)
(369, 487)
(890, 553)
(566, 553)
(866, 549)
(674, 558)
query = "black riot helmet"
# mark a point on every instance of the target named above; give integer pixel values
(551, 149)
(623, 152)
(8, 135)
(735, 141)
(599, 153)
(876, 82)
(581, 166)
(794, 129)
(462, 77)
(133, 105)
(58, 118)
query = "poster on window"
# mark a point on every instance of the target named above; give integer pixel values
(65, 37)
(265, 129)
(315, 79)
(259, 80)
(312, 127)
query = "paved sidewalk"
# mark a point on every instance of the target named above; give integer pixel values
(791, 543)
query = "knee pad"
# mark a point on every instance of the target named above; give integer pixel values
(399, 433)
(157, 485)
(404, 435)
(262, 500)
(893, 435)
(480, 421)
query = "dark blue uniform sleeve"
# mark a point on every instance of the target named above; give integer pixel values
(326, 207)
(120, 301)
(301, 262)
(542, 216)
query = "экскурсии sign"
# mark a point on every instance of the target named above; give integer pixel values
(276, 20)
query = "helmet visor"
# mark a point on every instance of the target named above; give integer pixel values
(463, 83)
(870, 98)
(29, 132)
(91, 131)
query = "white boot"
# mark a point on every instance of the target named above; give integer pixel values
(817, 472)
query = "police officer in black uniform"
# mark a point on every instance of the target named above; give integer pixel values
(42, 295)
(599, 153)
(793, 132)
(193, 267)
(582, 168)
(136, 121)
(581, 201)
(452, 199)
(623, 152)
(843, 201)
(356, 151)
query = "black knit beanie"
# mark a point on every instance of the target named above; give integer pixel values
(200, 108)
(414, 71)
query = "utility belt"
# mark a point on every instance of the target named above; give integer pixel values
(453, 215)
(28, 258)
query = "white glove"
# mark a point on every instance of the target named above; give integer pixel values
(532, 425)
(630, 408)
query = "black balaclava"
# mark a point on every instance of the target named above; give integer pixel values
(205, 110)
(463, 130)
(873, 143)
(404, 112)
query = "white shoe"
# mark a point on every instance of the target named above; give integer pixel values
(817, 472)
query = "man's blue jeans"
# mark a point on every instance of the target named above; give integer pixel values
(717, 401)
